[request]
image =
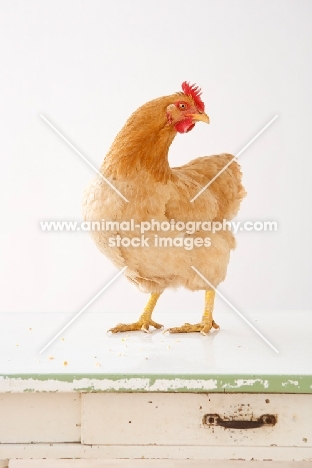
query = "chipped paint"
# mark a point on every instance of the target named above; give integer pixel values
(19, 383)
(291, 382)
(163, 385)
(238, 383)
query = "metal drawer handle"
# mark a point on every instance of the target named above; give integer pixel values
(216, 420)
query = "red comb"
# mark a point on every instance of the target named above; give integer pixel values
(194, 92)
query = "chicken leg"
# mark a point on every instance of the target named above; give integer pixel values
(145, 320)
(207, 321)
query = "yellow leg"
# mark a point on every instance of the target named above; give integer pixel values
(207, 321)
(207, 317)
(145, 320)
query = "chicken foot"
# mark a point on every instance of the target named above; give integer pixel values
(207, 321)
(145, 320)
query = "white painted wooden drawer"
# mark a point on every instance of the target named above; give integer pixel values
(39, 417)
(177, 418)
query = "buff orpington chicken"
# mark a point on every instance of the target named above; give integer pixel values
(164, 200)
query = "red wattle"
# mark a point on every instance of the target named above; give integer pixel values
(184, 125)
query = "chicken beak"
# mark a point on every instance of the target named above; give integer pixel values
(202, 117)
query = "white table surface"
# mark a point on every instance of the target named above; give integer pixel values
(86, 349)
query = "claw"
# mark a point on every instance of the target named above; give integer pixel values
(156, 325)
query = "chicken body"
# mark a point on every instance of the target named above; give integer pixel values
(137, 165)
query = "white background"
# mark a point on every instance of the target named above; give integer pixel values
(86, 65)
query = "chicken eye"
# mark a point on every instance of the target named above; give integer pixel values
(182, 106)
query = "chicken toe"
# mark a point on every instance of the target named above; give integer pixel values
(202, 327)
(207, 322)
(139, 325)
(144, 322)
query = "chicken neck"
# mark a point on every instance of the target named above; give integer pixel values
(142, 145)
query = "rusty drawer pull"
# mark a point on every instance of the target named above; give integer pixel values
(216, 420)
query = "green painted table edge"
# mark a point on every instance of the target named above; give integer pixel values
(187, 383)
